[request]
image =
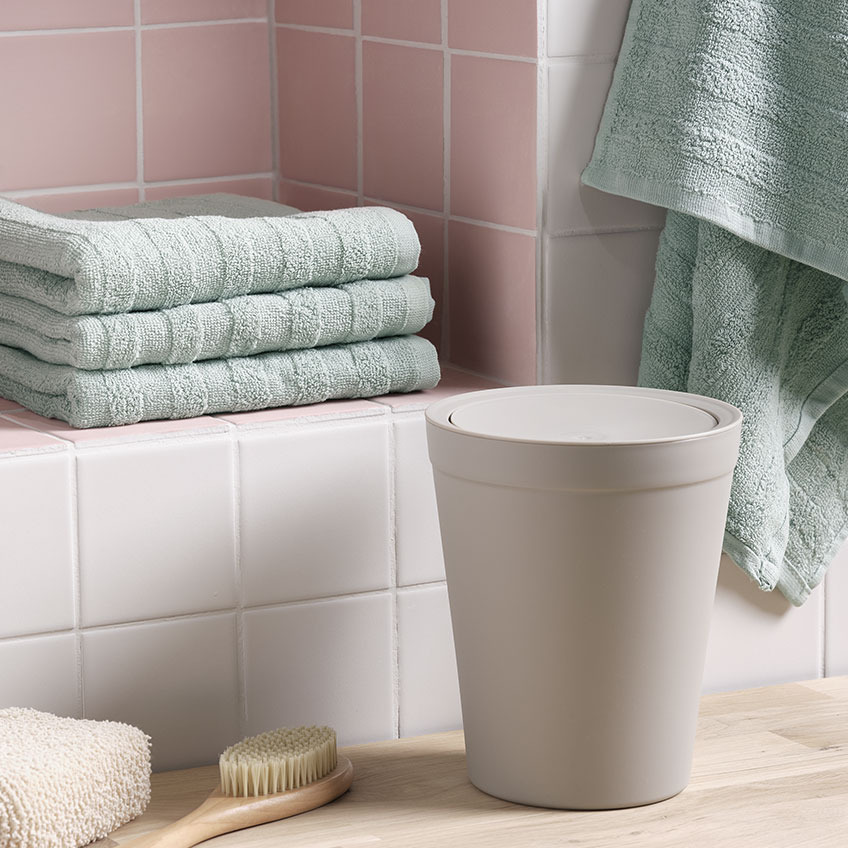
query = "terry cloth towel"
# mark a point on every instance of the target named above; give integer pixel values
(241, 326)
(733, 111)
(106, 398)
(193, 250)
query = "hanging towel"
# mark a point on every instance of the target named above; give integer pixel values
(193, 250)
(291, 378)
(241, 326)
(732, 114)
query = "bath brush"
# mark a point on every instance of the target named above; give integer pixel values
(263, 778)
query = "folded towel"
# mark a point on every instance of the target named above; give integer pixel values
(734, 112)
(106, 398)
(193, 250)
(241, 326)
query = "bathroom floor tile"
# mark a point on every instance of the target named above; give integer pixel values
(6, 405)
(56, 204)
(253, 187)
(311, 198)
(596, 291)
(328, 410)
(176, 680)
(36, 544)
(417, 539)
(41, 673)
(453, 382)
(429, 689)
(321, 663)
(314, 511)
(156, 530)
(16, 439)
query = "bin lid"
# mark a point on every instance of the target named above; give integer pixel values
(585, 414)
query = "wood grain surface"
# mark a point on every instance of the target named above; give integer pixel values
(770, 771)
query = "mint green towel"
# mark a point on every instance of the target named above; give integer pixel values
(193, 250)
(733, 111)
(305, 317)
(107, 398)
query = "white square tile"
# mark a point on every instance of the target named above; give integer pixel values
(315, 512)
(836, 620)
(322, 663)
(156, 530)
(586, 27)
(576, 95)
(596, 293)
(758, 638)
(429, 690)
(176, 680)
(40, 672)
(417, 538)
(36, 544)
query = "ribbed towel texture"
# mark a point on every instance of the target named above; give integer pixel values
(733, 111)
(215, 303)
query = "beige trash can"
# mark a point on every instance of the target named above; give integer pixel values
(582, 529)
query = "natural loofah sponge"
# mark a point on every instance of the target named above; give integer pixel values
(65, 782)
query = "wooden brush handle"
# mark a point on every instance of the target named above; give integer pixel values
(221, 813)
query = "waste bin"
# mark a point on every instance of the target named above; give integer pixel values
(582, 529)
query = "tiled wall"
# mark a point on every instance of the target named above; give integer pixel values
(222, 576)
(115, 101)
(428, 106)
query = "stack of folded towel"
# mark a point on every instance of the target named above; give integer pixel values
(217, 303)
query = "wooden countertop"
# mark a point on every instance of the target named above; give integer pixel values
(770, 770)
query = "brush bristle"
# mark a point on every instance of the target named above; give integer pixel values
(278, 760)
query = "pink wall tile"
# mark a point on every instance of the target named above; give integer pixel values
(126, 433)
(402, 117)
(206, 93)
(317, 107)
(69, 201)
(408, 20)
(14, 439)
(508, 26)
(66, 121)
(493, 140)
(312, 199)
(172, 11)
(259, 187)
(60, 14)
(493, 302)
(326, 13)
(331, 408)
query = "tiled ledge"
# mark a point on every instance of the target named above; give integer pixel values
(218, 576)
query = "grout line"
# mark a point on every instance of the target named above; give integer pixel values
(275, 100)
(321, 186)
(542, 130)
(326, 30)
(76, 579)
(18, 33)
(419, 210)
(602, 231)
(446, 179)
(238, 574)
(262, 175)
(222, 22)
(139, 104)
(359, 91)
(391, 482)
(505, 228)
